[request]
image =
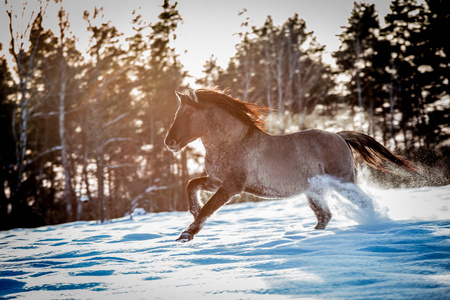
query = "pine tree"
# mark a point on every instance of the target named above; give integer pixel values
(404, 23)
(355, 57)
(7, 151)
(103, 119)
(279, 67)
(163, 76)
(432, 58)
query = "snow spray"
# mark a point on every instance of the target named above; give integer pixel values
(349, 201)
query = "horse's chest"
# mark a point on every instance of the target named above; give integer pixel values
(221, 165)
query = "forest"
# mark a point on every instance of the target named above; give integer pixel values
(82, 134)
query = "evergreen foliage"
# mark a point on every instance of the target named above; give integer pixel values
(82, 136)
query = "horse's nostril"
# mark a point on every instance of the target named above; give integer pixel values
(171, 143)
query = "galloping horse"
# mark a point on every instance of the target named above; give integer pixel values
(242, 157)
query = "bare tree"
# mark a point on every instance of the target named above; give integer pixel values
(26, 66)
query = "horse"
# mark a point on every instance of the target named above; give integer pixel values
(240, 156)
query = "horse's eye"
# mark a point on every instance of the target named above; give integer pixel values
(188, 114)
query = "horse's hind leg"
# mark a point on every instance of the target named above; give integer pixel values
(195, 185)
(317, 203)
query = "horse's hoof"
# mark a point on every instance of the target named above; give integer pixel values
(320, 226)
(185, 237)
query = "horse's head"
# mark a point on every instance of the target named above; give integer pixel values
(188, 125)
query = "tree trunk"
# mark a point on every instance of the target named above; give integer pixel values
(101, 186)
(268, 81)
(391, 106)
(280, 94)
(22, 145)
(278, 73)
(70, 209)
(358, 81)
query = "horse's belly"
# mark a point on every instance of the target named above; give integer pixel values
(277, 173)
(273, 192)
(272, 185)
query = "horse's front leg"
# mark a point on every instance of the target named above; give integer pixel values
(223, 194)
(199, 184)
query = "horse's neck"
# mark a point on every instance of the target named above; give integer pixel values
(224, 132)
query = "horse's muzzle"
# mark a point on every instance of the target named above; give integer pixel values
(173, 145)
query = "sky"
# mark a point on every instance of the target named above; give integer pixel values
(324, 17)
(208, 27)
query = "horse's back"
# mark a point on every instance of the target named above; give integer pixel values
(282, 164)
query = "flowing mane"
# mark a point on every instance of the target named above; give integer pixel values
(249, 113)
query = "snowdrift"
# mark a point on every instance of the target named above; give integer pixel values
(266, 250)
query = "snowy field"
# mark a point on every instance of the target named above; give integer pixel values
(266, 250)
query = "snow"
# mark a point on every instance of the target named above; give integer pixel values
(265, 250)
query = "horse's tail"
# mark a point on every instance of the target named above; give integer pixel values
(372, 152)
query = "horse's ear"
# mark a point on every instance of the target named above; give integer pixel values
(179, 96)
(193, 96)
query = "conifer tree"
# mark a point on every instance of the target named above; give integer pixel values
(279, 67)
(163, 76)
(432, 57)
(355, 57)
(7, 151)
(403, 26)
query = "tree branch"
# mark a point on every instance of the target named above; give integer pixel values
(56, 148)
(113, 140)
(112, 167)
(116, 119)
